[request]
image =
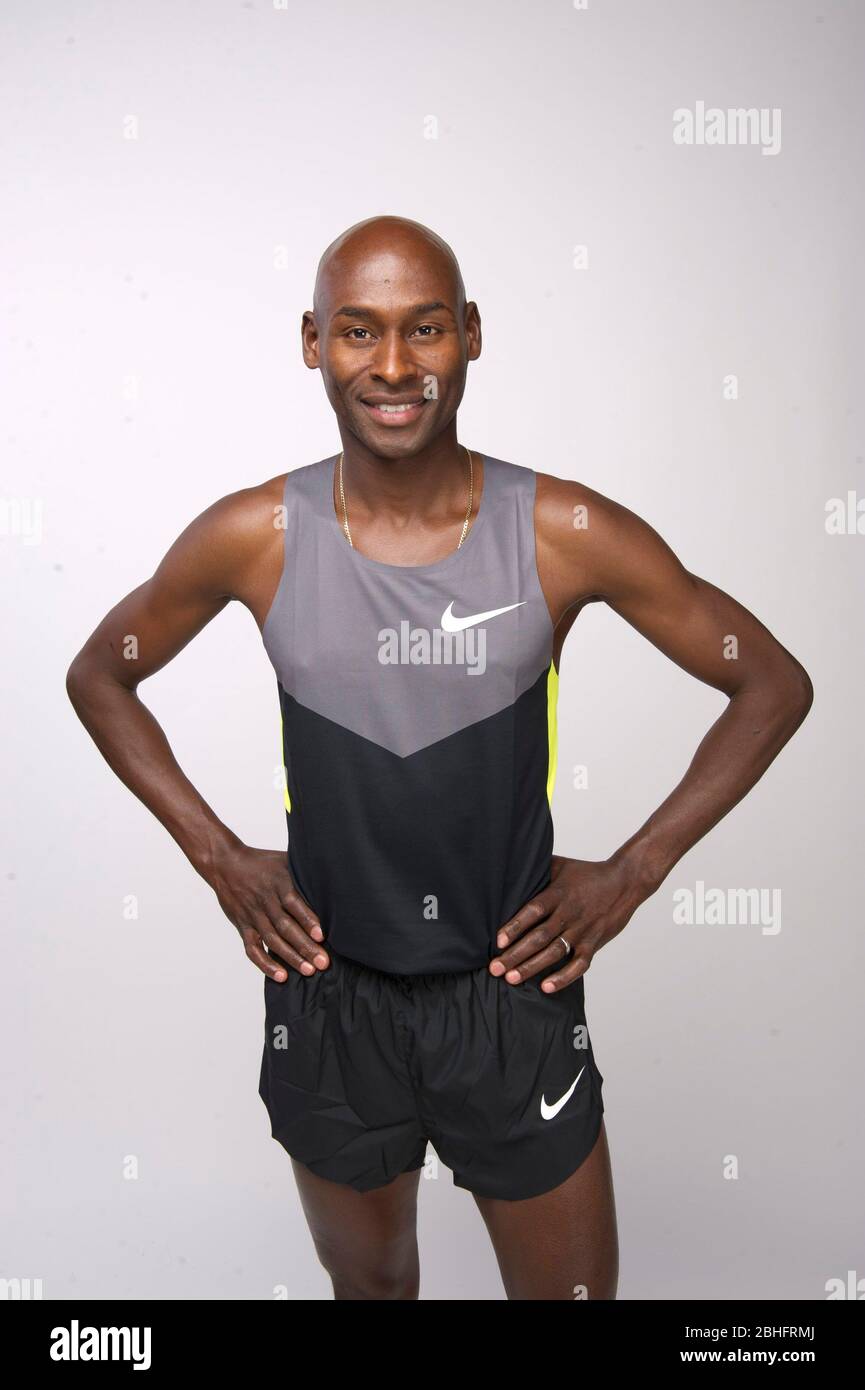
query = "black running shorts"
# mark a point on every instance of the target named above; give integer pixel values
(362, 1069)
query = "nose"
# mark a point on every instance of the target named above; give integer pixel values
(393, 360)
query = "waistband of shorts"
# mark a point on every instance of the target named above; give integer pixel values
(403, 977)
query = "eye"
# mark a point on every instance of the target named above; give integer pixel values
(357, 330)
(431, 327)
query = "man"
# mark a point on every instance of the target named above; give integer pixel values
(423, 950)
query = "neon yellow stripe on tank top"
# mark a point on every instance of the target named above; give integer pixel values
(286, 798)
(552, 728)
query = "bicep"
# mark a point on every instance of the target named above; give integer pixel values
(154, 622)
(697, 625)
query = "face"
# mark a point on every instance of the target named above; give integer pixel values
(390, 346)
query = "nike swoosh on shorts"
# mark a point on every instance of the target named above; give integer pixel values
(548, 1111)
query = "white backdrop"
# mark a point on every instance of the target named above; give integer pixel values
(171, 173)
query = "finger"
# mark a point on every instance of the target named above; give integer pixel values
(532, 912)
(534, 939)
(555, 953)
(527, 946)
(280, 927)
(560, 979)
(280, 952)
(285, 934)
(293, 905)
(254, 947)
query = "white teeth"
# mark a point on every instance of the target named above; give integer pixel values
(396, 409)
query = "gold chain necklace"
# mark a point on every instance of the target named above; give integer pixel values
(468, 511)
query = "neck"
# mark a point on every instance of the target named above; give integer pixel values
(424, 486)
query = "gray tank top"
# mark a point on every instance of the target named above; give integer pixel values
(418, 710)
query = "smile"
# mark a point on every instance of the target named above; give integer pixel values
(395, 414)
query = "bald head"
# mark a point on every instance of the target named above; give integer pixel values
(377, 237)
(389, 326)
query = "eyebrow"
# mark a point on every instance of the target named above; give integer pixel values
(351, 311)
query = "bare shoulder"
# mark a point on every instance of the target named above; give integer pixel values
(238, 518)
(223, 548)
(589, 545)
(567, 509)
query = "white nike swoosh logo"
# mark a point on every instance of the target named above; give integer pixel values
(548, 1111)
(451, 624)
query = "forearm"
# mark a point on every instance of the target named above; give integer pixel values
(732, 757)
(134, 745)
